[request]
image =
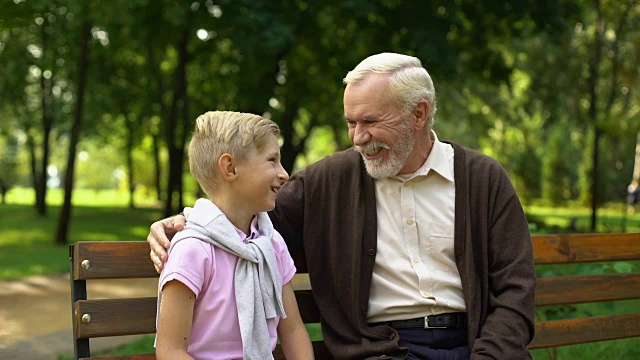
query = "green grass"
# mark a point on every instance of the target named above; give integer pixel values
(144, 345)
(27, 239)
(611, 219)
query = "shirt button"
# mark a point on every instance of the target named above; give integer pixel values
(392, 336)
(416, 260)
(372, 252)
(364, 310)
(425, 293)
(409, 222)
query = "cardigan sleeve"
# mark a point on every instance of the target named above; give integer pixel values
(509, 324)
(288, 217)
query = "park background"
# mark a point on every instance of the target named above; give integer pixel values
(98, 99)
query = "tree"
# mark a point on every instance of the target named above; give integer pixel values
(84, 32)
(37, 50)
(8, 162)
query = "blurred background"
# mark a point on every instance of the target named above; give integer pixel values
(98, 100)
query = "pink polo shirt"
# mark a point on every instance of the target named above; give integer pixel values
(209, 272)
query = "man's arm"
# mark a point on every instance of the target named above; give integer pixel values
(159, 238)
(509, 325)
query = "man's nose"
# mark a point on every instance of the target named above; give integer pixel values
(361, 135)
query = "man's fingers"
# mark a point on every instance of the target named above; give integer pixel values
(157, 263)
(157, 248)
(158, 235)
(178, 222)
(159, 238)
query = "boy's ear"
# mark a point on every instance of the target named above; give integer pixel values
(227, 167)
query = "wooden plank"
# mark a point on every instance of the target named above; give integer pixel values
(577, 331)
(301, 281)
(112, 260)
(584, 289)
(319, 350)
(115, 317)
(308, 308)
(578, 248)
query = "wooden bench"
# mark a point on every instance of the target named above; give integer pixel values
(93, 261)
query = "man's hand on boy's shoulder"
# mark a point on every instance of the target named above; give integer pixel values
(159, 238)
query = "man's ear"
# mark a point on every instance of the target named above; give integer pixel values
(227, 167)
(421, 114)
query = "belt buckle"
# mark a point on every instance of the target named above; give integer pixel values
(426, 324)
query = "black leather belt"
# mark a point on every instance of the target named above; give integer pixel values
(440, 321)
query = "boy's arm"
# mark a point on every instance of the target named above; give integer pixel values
(293, 335)
(174, 321)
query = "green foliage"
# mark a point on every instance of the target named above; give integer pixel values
(514, 80)
(558, 171)
(8, 162)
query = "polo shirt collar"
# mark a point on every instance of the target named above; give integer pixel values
(254, 231)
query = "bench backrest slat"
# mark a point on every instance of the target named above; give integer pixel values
(578, 248)
(307, 305)
(115, 317)
(112, 260)
(565, 290)
(579, 331)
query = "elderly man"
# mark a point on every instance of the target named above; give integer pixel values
(416, 248)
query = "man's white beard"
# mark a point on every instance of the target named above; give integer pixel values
(398, 155)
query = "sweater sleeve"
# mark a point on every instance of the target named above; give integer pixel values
(509, 324)
(288, 217)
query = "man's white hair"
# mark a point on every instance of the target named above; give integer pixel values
(408, 79)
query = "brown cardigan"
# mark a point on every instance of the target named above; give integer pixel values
(327, 215)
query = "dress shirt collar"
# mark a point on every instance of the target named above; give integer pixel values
(439, 160)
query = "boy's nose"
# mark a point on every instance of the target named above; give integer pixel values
(282, 174)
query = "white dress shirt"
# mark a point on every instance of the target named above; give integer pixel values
(415, 273)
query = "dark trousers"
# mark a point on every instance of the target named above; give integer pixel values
(435, 344)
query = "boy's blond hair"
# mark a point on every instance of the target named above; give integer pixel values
(220, 132)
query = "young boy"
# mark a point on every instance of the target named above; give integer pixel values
(225, 292)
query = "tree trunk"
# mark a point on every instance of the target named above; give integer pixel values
(158, 166)
(594, 64)
(47, 124)
(64, 219)
(175, 132)
(3, 190)
(35, 174)
(129, 153)
(155, 67)
(288, 156)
